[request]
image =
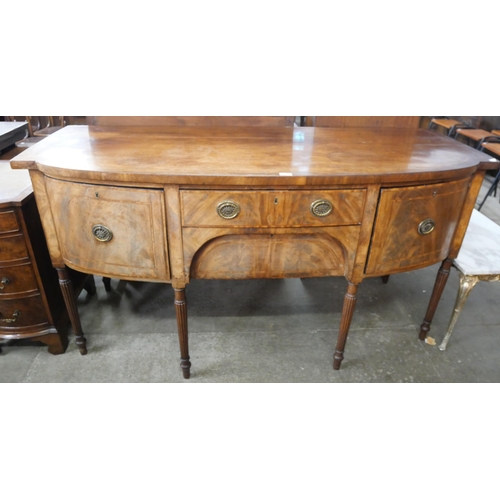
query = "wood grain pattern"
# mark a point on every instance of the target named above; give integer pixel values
(250, 156)
(137, 249)
(396, 243)
(272, 208)
(290, 252)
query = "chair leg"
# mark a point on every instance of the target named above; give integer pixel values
(467, 283)
(493, 187)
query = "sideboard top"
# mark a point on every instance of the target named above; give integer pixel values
(249, 155)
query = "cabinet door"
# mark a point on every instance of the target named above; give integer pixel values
(414, 226)
(110, 231)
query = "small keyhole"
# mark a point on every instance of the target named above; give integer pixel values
(435, 193)
(97, 195)
(275, 201)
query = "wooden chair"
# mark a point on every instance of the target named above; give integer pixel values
(491, 145)
(450, 125)
(478, 260)
(50, 124)
(363, 121)
(192, 121)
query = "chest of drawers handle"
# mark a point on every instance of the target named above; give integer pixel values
(426, 226)
(321, 208)
(228, 209)
(15, 315)
(3, 282)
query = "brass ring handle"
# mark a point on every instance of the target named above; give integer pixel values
(321, 208)
(102, 233)
(13, 319)
(228, 209)
(3, 282)
(426, 226)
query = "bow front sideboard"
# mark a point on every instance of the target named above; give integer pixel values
(172, 204)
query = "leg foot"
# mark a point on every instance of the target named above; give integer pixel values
(345, 323)
(467, 283)
(182, 329)
(56, 343)
(441, 279)
(70, 301)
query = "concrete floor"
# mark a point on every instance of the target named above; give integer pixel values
(274, 331)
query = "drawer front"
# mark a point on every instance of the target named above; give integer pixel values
(414, 226)
(8, 221)
(22, 312)
(12, 248)
(16, 279)
(111, 231)
(272, 208)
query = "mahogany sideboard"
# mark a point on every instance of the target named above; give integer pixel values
(171, 204)
(31, 302)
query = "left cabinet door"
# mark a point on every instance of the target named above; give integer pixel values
(111, 231)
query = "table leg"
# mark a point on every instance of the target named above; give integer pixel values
(441, 279)
(345, 323)
(467, 283)
(182, 328)
(70, 301)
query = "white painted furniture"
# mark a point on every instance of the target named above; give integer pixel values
(478, 260)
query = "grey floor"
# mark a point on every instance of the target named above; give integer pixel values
(274, 331)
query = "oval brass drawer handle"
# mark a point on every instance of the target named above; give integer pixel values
(3, 282)
(228, 209)
(102, 233)
(321, 208)
(426, 226)
(15, 315)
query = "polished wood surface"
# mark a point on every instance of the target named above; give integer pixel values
(249, 155)
(160, 191)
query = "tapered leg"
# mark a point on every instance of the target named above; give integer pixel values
(467, 283)
(441, 279)
(345, 323)
(70, 301)
(182, 328)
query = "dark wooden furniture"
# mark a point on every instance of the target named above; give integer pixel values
(188, 203)
(31, 302)
(11, 132)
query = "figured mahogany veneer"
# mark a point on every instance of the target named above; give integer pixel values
(173, 204)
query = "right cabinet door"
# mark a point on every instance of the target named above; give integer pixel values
(414, 226)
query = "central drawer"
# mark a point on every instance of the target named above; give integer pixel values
(308, 208)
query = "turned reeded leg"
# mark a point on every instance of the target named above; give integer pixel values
(467, 283)
(441, 279)
(70, 301)
(182, 328)
(345, 323)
